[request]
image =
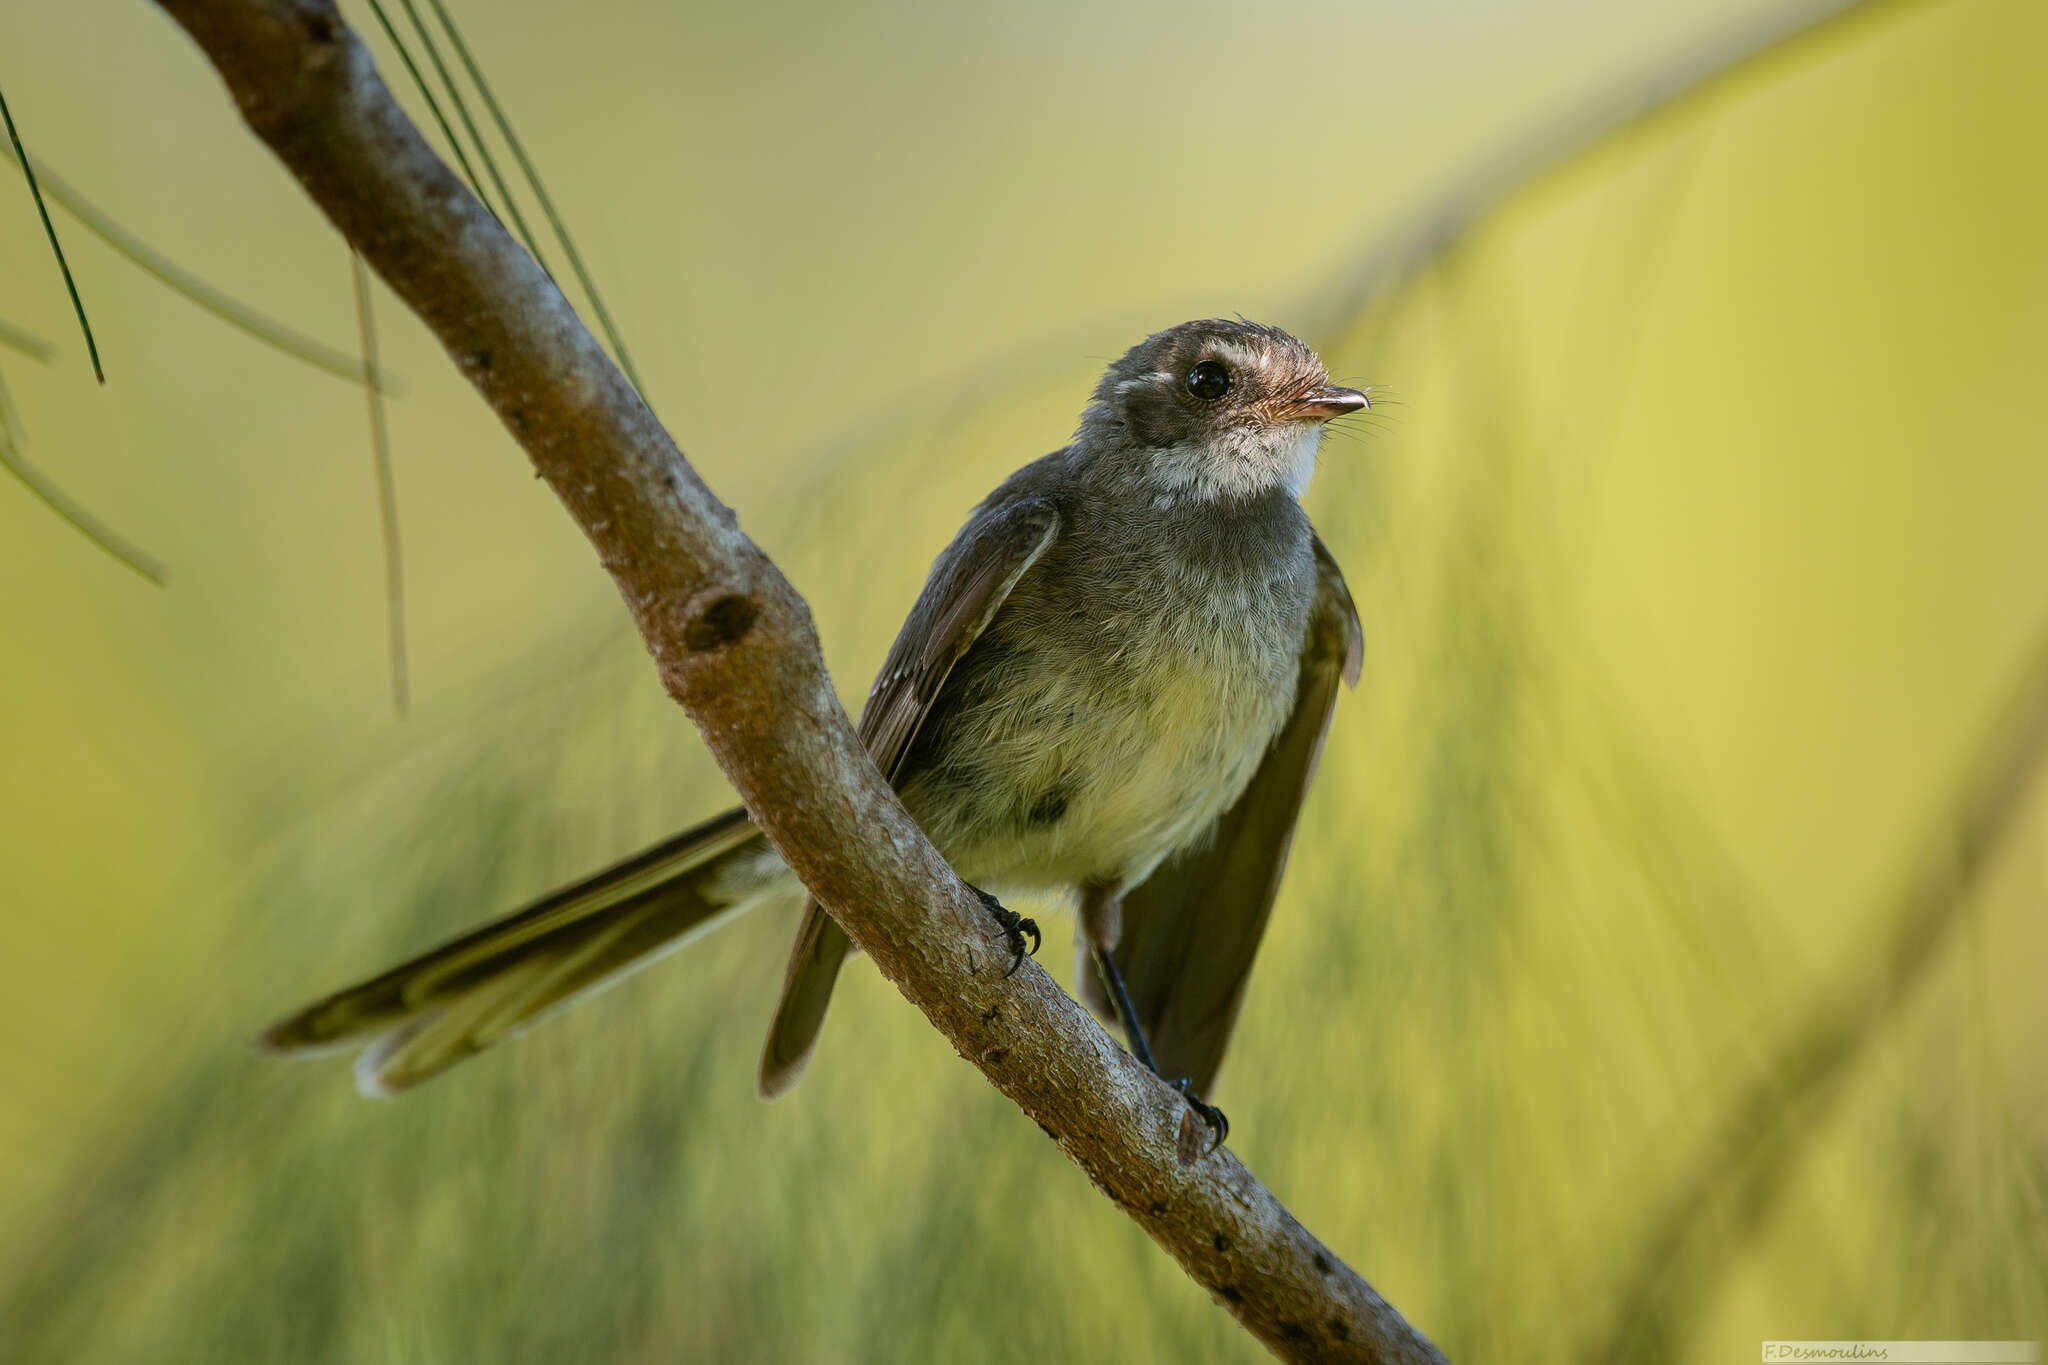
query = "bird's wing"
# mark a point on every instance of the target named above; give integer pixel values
(967, 586)
(1191, 928)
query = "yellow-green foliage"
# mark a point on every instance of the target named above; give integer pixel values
(1705, 535)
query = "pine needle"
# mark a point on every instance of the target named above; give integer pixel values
(387, 493)
(50, 230)
(476, 138)
(433, 107)
(66, 506)
(179, 280)
(26, 342)
(547, 204)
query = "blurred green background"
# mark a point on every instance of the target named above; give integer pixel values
(1704, 539)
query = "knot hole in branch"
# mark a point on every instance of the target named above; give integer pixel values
(723, 622)
(320, 22)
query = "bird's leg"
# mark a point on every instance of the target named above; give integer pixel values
(1126, 1013)
(1014, 926)
(1219, 1126)
(1102, 924)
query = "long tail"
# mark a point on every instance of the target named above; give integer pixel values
(422, 1017)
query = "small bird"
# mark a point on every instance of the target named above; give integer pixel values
(1114, 685)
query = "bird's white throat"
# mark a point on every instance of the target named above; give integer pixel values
(1301, 458)
(1238, 465)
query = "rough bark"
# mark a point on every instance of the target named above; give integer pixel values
(735, 646)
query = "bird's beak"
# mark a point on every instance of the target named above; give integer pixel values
(1320, 405)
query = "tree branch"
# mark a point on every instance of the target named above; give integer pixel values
(735, 646)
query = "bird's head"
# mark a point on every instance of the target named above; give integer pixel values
(1215, 410)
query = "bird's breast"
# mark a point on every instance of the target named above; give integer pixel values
(1089, 736)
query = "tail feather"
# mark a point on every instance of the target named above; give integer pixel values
(814, 961)
(423, 1016)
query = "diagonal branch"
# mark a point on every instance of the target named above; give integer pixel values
(735, 646)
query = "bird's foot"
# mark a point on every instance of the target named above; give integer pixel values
(1015, 927)
(1219, 1126)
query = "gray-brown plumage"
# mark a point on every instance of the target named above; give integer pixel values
(1115, 684)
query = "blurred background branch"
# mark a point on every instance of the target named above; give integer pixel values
(1754, 1149)
(1675, 87)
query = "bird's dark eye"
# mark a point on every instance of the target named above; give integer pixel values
(1209, 381)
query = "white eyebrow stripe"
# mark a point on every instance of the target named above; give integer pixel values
(1240, 356)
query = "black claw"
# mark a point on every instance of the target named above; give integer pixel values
(1219, 1126)
(1015, 927)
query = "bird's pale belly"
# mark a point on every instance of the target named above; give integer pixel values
(1084, 778)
